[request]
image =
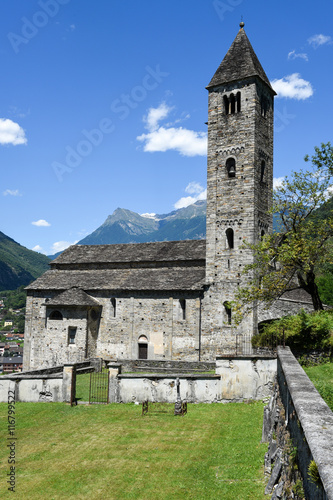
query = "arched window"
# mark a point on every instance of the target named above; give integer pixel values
(264, 106)
(230, 238)
(231, 167)
(226, 104)
(56, 315)
(238, 99)
(262, 234)
(262, 170)
(227, 308)
(232, 103)
(143, 347)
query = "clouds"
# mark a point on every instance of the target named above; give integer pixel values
(293, 87)
(293, 55)
(41, 223)
(317, 40)
(11, 133)
(165, 138)
(197, 192)
(11, 192)
(60, 246)
(277, 182)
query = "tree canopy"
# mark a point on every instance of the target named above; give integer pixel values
(289, 259)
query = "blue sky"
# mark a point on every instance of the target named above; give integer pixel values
(103, 103)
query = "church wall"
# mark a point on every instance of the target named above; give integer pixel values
(171, 333)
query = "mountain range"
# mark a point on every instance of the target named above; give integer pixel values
(125, 226)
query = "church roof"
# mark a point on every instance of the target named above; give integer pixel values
(73, 297)
(239, 63)
(155, 279)
(164, 251)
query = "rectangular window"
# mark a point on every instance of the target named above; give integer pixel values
(71, 335)
(113, 307)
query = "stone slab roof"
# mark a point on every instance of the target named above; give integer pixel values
(73, 297)
(239, 63)
(125, 253)
(297, 295)
(163, 278)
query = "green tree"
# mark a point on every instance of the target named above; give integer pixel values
(289, 259)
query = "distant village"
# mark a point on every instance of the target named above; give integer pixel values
(11, 338)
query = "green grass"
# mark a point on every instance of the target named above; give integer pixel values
(322, 378)
(111, 451)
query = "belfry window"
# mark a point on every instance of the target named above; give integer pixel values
(232, 104)
(262, 170)
(231, 167)
(264, 106)
(226, 104)
(56, 315)
(238, 99)
(230, 238)
(227, 308)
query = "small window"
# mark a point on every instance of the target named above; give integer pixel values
(182, 303)
(94, 314)
(264, 106)
(230, 238)
(262, 234)
(227, 308)
(71, 335)
(231, 167)
(113, 307)
(56, 315)
(262, 171)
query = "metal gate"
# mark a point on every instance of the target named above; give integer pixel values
(99, 387)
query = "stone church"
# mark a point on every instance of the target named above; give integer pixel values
(170, 300)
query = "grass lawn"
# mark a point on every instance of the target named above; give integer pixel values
(112, 452)
(322, 378)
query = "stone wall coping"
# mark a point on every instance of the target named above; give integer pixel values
(315, 416)
(113, 365)
(168, 376)
(247, 356)
(26, 376)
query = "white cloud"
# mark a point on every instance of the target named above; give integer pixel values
(164, 138)
(41, 223)
(277, 182)
(186, 142)
(11, 192)
(317, 40)
(60, 246)
(155, 115)
(293, 55)
(293, 87)
(11, 133)
(192, 188)
(39, 249)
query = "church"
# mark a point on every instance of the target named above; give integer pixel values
(171, 300)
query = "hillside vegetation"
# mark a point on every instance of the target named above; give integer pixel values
(18, 265)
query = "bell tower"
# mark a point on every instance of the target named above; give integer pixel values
(239, 182)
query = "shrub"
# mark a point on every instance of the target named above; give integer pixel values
(304, 331)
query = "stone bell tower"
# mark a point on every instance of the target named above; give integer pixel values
(239, 183)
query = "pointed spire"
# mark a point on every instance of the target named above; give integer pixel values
(239, 63)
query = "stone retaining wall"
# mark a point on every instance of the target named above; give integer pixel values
(309, 422)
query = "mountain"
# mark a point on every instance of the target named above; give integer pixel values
(18, 265)
(125, 226)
